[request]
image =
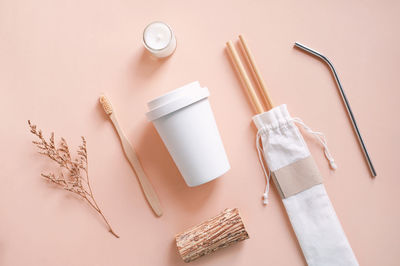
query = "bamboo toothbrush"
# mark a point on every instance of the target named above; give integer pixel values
(130, 153)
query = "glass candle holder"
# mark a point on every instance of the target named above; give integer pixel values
(159, 39)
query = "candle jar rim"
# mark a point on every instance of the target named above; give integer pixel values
(170, 39)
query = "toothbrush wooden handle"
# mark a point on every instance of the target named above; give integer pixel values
(147, 187)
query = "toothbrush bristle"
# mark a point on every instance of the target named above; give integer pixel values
(106, 105)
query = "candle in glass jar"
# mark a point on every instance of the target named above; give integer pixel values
(159, 39)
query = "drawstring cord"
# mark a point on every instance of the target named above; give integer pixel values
(260, 150)
(321, 138)
(261, 158)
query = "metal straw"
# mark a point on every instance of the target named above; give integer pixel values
(346, 102)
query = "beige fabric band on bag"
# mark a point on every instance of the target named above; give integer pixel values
(297, 177)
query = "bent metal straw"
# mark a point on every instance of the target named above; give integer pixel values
(346, 103)
(285, 157)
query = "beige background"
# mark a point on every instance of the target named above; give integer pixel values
(56, 57)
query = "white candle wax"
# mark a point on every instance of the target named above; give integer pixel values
(159, 39)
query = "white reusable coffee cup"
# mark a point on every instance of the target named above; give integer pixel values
(186, 124)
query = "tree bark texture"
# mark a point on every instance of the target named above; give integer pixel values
(218, 232)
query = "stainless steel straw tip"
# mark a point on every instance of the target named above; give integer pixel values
(297, 44)
(312, 51)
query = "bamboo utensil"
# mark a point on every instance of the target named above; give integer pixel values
(256, 72)
(245, 78)
(130, 153)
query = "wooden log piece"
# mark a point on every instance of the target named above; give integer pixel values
(218, 232)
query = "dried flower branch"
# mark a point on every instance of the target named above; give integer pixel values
(73, 175)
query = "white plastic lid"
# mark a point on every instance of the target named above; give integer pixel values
(175, 100)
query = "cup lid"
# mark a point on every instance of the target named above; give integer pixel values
(176, 99)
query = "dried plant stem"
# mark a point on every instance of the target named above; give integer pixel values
(96, 207)
(74, 175)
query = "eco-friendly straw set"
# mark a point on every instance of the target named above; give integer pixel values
(185, 122)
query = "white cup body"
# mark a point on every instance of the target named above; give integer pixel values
(192, 138)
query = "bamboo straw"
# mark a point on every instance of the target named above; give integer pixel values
(245, 78)
(256, 72)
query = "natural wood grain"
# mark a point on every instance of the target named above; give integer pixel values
(256, 72)
(244, 77)
(148, 189)
(218, 232)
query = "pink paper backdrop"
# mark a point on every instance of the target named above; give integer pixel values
(57, 57)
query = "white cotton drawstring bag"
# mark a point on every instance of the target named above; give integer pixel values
(299, 183)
